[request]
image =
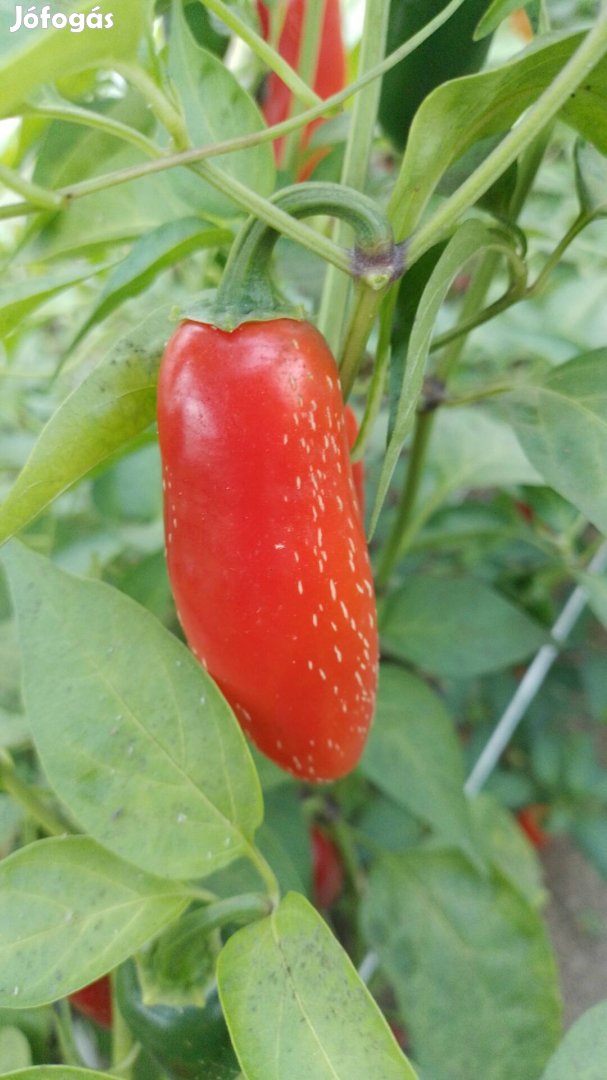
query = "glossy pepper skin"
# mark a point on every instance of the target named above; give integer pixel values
(266, 551)
(447, 54)
(95, 1001)
(190, 1043)
(330, 72)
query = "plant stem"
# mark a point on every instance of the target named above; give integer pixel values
(265, 52)
(266, 211)
(64, 1028)
(553, 259)
(511, 297)
(473, 300)
(97, 121)
(266, 873)
(12, 783)
(580, 64)
(417, 457)
(38, 196)
(378, 380)
(187, 158)
(336, 290)
(163, 109)
(365, 309)
(243, 908)
(123, 1043)
(516, 294)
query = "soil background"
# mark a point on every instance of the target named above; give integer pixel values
(576, 916)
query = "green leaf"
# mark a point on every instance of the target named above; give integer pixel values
(589, 831)
(58, 1072)
(178, 966)
(72, 152)
(111, 406)
(44, 56)
(23, 297)
(469, 449)
(591, 178)
(472, 449)
(503, 843)
(133, 735)
(14, 730)
(387, 825)
(36, 1025)
(74, 147)
(459, 113)
(296, 1007)
(468, 240)
(284, 838)
(413, 756)
(592, 675)
(560, 421)
(69, 913)
(595, 588)
(11, 819)
(583, 1052)
(15, 1052)
(494, 15)
(216, 108)
(470, 963)
(114, 216)
(457, 626)
(149, 256)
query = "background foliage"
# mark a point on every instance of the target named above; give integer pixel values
(134, 819)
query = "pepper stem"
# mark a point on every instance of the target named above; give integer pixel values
(247, 291)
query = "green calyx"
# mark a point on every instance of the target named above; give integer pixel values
(247, 292)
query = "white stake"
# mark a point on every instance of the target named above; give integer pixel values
(532, 681)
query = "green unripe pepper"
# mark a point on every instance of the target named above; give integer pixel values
(447, 54)
(190, 1043)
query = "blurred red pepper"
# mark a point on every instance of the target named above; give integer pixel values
(330, 71)
(95, 1001)
(327, 869)
(524, 510)
(530, 819)
(520, 24)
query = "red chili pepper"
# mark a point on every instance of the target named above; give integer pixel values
(400, 1035)
(327, 869)
(330, 72)
(530, 819)
(95, 1001)
(524, 510)
(265, 546)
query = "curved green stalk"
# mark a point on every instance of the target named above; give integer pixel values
(247, 286)
(336, 291)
